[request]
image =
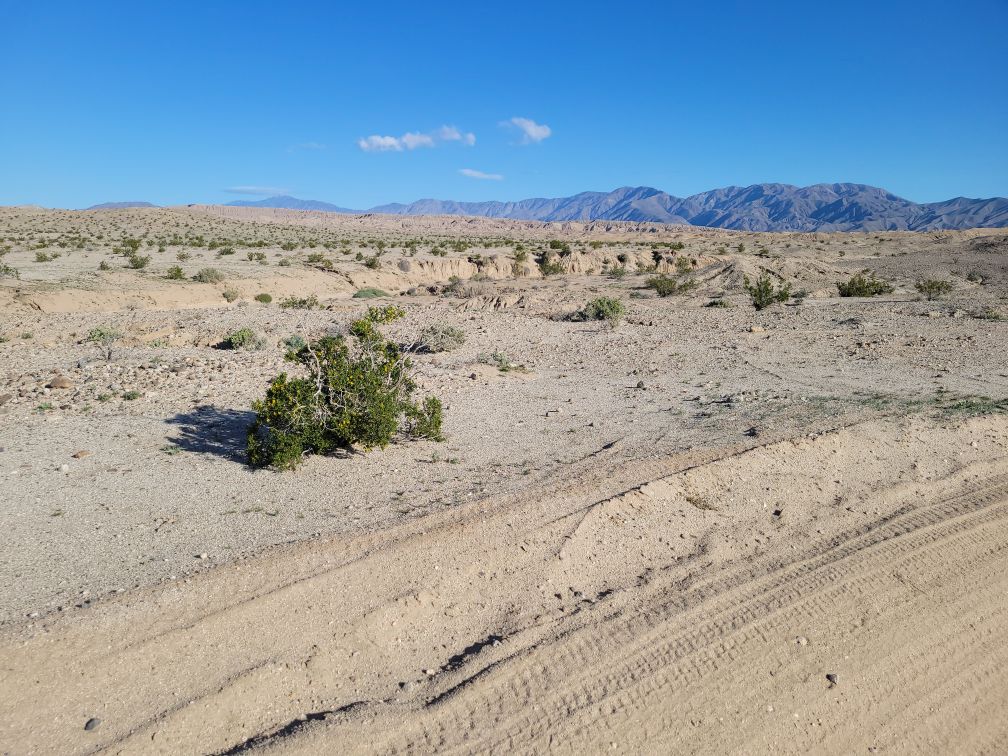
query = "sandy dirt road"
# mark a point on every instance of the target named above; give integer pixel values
(838, 592)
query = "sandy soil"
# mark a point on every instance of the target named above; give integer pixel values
(707, 529)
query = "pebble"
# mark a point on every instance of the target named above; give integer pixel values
(92, 724)
(757, 329)
(202, 556)
(82, 454)
(801, 640)
(64, 467)
(831, 678)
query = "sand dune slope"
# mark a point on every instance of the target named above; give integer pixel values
(835, 593)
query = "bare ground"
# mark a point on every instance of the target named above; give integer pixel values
(708, 529)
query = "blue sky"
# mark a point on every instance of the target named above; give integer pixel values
(184, 101)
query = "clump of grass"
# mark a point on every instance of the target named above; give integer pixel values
(606, 309)
(232, 295)
(131, 395)
(42, 257)
(6, 271)
(441, 338)
(763, 294)
(719, 302)
(103, 265)
(370, 292)
(138, 262)
(264, 298)
(862, 285)
(209, 276)
(359, 391)
(300, 303)
(933, 288)
(174, 273)
(498, 359)
(243, 338)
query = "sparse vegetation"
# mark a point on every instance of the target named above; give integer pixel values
(370, 292)
(606, 309)
(933, 288)
(232, 295)
(441, 338)
(862, 285)
(209, 276)
(300, 303)
(667, 286)
(498, 359)
(243, 338)
(359, 391)
(174, 273)
(763, 294)
(263, 298)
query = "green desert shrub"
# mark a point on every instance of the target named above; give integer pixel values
(862, 285)
(264, 298)
(103, 265)
(294, 343)
(763, 294)
(138, 262)
(6, 271)
(606, 309)
(209, 276)
(43, 257)
(370, 292)
(669, 286)
(359, 391)
(441, 338)
(232, 295)
(174, 273)
(243, 338)
(933, 288)
(300, 303)
(103, 335)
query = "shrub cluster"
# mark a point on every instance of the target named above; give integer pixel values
(666, 286)
(243, 338)
(359, 391)
(863, 285)
(933, 288)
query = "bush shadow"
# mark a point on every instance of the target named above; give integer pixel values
(211, 430)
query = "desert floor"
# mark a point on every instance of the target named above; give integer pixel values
(706, 529)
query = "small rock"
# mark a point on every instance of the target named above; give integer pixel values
(202, 556)
(60, 382)
(640, 384)
(4, 398)
(473, 376)
(831, 678)
(801, 640)
(82, 454)
(406, 687)
(92, 724)
(757, 329)
(64, 468)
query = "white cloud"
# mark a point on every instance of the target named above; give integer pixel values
(375, 143)
(452, 134)
(411, 140)
(532, 132)
(472, 173)
(265, 191)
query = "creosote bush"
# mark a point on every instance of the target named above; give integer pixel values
(863, 285)
(933, 288)
(666, 286)
(264, 298)
(358, 391)
(606, 309)
(174, 273)
(763, 294)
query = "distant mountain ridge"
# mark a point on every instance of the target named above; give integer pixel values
(286, 202)
(761, 207)
(119, 205)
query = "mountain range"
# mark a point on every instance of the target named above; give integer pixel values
(761, 207)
